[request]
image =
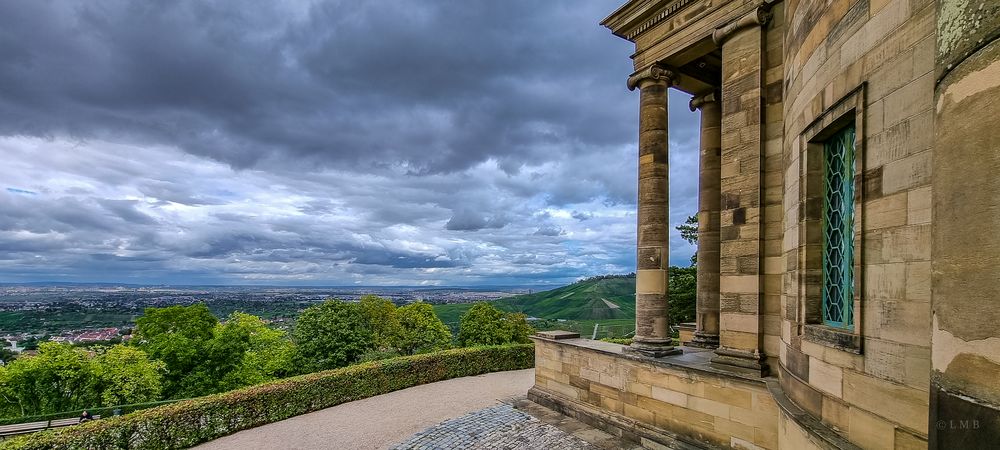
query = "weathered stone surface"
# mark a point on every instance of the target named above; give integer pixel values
(558, 334)
(651, 336)
(678, 394)
(497, 427)
(965, 197)
(919, 80)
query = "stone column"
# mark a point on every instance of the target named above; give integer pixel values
(709, 201)
(652, 333)
(742, 188)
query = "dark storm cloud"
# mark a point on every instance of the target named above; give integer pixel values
(467, 220)
(362, 84)
(344, 141)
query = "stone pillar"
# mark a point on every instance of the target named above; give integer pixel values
(740, 229)
(652, 333)
(709, 200)
(965, 292)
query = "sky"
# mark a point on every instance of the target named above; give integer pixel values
(352, 142)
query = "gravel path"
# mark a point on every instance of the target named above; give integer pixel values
(382, 421)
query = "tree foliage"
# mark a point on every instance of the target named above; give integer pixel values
(203, 356)
(7, 355)
(62, 378)
(683, 294)
(422, 330)
(185, 351)
(382, 318)
(689, 232)
(484, 324)
(186, 424)
(254, 352)
(126, 375)
(330, 335)
(181, 337)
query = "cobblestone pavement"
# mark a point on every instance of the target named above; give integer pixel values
(497, 427)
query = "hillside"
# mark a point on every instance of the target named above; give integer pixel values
(608, 302)
(588, 300)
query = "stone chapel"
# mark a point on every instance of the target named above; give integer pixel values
(849, 231)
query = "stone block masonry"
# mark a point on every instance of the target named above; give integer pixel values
(675, 401)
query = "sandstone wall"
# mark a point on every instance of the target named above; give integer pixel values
(697, 405)
(965, 390)
(869, 61)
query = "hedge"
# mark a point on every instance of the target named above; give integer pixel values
(187, 423)
(103, 411)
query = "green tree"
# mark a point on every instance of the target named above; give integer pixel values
(422, 330)
(7, 355)
(181, 337)
(683, 294)
(255, 352)
(126, 375)
(519, 328)
(59, 378)
(331, 334)
(689, 232)
(383, 320)
(484, 324)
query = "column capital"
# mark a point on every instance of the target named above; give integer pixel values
(699, 101)
(759, 16)
(654, 72)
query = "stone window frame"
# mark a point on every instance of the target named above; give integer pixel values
(850, 109)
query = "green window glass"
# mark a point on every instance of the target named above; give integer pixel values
(838, 230)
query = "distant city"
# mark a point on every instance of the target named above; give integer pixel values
(84, 314)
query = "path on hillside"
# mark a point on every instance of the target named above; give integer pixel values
(382, 421)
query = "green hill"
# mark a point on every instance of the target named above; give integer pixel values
(595, 299)
(607, 301)
(589, 300)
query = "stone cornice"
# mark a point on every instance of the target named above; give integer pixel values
(655, 72)
(757, 17)
(637, 16)
(702, 100)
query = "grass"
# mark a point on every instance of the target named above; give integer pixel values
(578, 307)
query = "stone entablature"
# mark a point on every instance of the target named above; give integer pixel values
(636, 17)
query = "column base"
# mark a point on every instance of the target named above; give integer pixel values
(742, 361)
(653, 348)
(704, 340)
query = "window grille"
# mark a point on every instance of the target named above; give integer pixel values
(838, 230)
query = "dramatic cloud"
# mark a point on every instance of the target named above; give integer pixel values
(328, 142)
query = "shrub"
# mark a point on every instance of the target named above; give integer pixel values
(484, 324)
(62, 378)
(187, 423)
(330, 335)
(421, 330)
(381, 315)
(103, 411)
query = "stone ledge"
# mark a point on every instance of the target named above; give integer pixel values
(615, 424)
(692, 359)
(558, 334)
(842, 340)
